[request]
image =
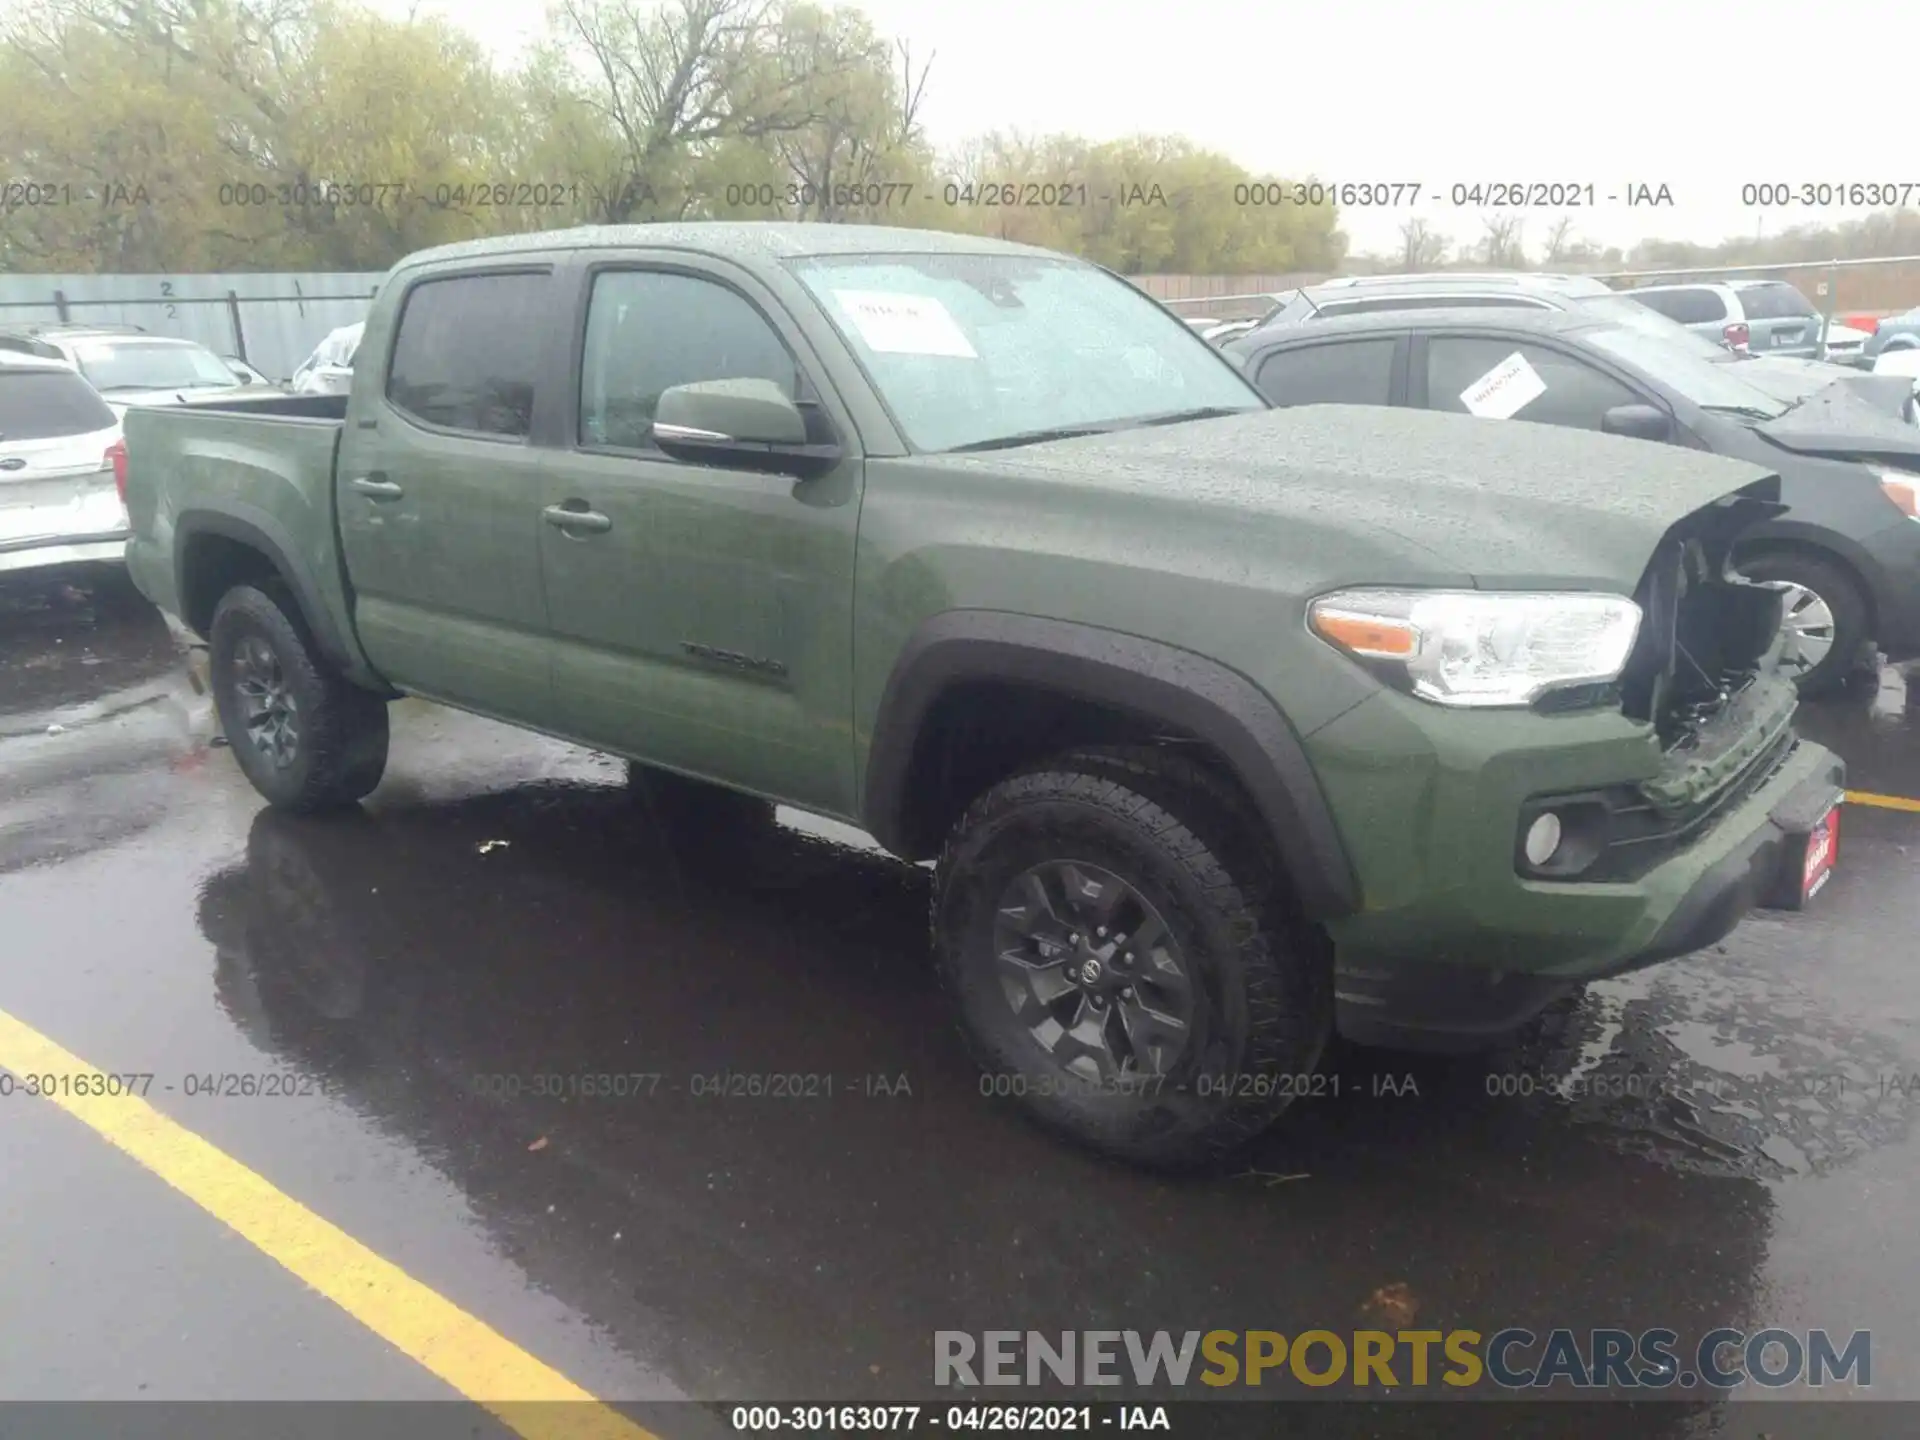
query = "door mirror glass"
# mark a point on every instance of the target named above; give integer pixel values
(1641, 422)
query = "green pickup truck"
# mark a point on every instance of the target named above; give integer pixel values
(1231, 728)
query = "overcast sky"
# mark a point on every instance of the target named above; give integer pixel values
(1699, 95)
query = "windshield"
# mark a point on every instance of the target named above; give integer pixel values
(971, 350)
(149, 365)
(1632, 315)
(1700, 379)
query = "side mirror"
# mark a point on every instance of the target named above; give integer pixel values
(739, 424)
(1642, 422)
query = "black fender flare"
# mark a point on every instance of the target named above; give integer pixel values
(259, 530)
(1148, 678)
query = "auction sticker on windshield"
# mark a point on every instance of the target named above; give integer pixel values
(1505, 390)
(904, 324)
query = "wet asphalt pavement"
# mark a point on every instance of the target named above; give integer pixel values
(1724, 1140)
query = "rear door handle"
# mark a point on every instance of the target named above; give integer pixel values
(377, 486)
(562, 517)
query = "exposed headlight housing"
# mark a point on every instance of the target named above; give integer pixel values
(1482, 647)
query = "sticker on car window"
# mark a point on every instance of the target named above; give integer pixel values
(904, 324)
(1505, 390)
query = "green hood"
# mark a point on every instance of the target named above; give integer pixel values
(1502, 504)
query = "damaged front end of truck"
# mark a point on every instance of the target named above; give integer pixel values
(1705, 675)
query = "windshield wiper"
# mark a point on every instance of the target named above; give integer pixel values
(1031, 437)
(1204, 412)
(1753, 412)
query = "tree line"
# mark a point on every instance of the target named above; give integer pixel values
(217, 135)
(184, 135)
(1504, 244)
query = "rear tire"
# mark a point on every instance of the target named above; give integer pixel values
(1831, 608)
(305, 736)
(1164, 850)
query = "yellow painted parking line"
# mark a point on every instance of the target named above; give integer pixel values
(472, 1357)
(1884, 802)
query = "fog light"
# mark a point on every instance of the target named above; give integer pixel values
(1543, 838)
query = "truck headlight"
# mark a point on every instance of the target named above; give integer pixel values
(1482, 647)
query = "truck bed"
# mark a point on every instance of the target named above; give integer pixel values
(259, 472)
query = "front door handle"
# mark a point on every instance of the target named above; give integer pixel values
(564, 517)
(377, 486)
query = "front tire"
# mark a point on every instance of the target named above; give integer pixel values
(306, 737)
(1124, 959)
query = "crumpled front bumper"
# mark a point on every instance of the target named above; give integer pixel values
(1454, 943)
(1457, 1008)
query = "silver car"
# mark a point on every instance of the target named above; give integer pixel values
(61, 464)
(130, 367)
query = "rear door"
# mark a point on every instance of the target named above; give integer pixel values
(1363, 370)
(702, 617)
(439, 488)
(1780, 320)
(56, 483)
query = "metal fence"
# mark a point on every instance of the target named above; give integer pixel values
(272, 321)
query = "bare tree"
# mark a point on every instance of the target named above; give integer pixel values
(840, 162)
(672, 81)
(1502, 245)
(1561, 242)
(1420, 247)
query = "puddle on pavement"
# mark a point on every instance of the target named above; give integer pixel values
(1714, 1067)
(65, 639)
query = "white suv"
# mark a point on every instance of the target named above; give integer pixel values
(62, 463)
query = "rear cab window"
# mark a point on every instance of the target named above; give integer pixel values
(467, 353)
(46, 404)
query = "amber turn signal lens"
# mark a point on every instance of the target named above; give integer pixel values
(1363, 634)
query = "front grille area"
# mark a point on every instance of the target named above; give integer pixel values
(1628, 835)
(1642, 837)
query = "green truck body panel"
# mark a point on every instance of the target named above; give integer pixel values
(750, 628)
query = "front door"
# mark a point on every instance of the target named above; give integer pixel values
(702, 617)
(439, 493)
